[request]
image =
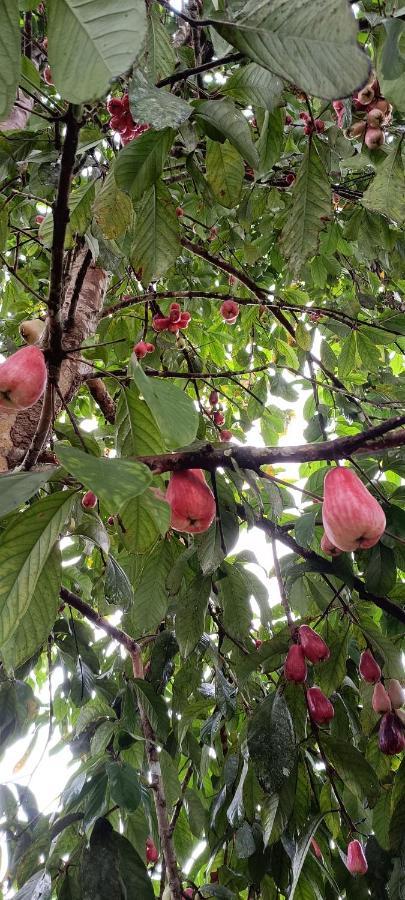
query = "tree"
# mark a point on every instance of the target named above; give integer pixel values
(201, 230)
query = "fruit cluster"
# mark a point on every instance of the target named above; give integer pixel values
(218, 417)
(121, 119)
(387, 703)
(311, 125)
(372, 114)
(312, 647)
(175, 321)
(352, 517)
(142, 348)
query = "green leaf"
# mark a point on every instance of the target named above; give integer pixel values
(125, 788)
(302, 850)
(311, 203)
(330, 674)
(271, 743)
(145, 616)
(25, 547)
(271, 140)
(112, 209)
(191, 608)
(113, 480)
(347, 357)
(117, 587)
(173, 410)
(287, 39)
(38, 887)
(3, 229)
(386, 193)
(16, 488)
(381, 573)
(157, 243)
(136, 431)
(145, 519)
(36, 624)
(224, 120)
(10, 55)
(225, 172)
(352, 768)
(160, 56)
(154, 706)
(156, 106)
(139, 165)
(99, 41)
(255, 85)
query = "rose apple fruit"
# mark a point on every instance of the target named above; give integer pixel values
(352, 517)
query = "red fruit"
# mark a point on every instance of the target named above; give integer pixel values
(185, 319)
(396, 693)
(338, 105)
(116, 123)
(356, 860)
(319, 707)
(295, 667)
(39, 219)
(366, 95)
(179, 212)
(214, 231)
(384, 106)
(375, 117)
(304, 116)
(308, 128)
(316, 848)
(225, 436)
(160, 323)
(288, 119)
(189, 892)
(258, 643)
(218, 418)
(352, 517)
(150, 348)
(213, 398)
(191, 500)
(89, 500)
(175, 312)
(110, 520)
(125, 101)
(152, 854)
(381, 702)
(48, 75)
(22, 378)
(369, 668)
(319, 126)
(229, 311)
(140, 349)
(328, 547)
(374, 138)
(313, 645)
(290, 178)
(391, 738)
(115, 106)
(214, 877)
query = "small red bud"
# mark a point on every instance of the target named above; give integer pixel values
(288, 119)
(152, 854)
(175, 313)
(229, 311)
(295, 668)
(110, 520)
(369, 668)
(89, 500)
(213, 398)
(179, 212)
(160, 323)
(396, 693)
(356, 860)
(225, 436)
(39, 219)
(290, 178)
(218, 418)
(319, 707)
(258, 643)
(314, 647)
(319, 126)
(316, 848)
(304, 116)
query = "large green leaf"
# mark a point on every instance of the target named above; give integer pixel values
(172, 408)
(145, 519)
(352, 768)
(191, 608)
(225, 171)
(111, 869)
(38, 887)
(145, 616)
(160, 56)
(113, 480)
(10, 55)
(156, 107)
(311, 204)
(386, 193)
(270, 142)
(224, 120)
(254, 84)
(37, 621)
(271, 743)
(25, 547)
(301, 852)
(157, 242)
(112, 209)
(18, 487)
(91, 43)
(154, 707)
(136, 431)
(124, 785)
(140, 163)
(312, 43)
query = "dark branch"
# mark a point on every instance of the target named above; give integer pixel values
(204, 67)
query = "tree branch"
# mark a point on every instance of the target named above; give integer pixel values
(103, 398)
(117, 634)
(204, 67)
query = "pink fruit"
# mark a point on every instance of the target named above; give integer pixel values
(258, 643)
(22, 378)
(152, 854)
(213, 398)
(89, 500)
(352, 517)
(319, 707)
(229, 311)
(48, 75)
(304, 116)
(142, 348)
(328, 547)
(225, 436)
(160, 323)
(189, 893)
(316, 848)
(110, 520)
(191, 500)
(396, 693)
(381, 702)
(356, 860)
(375, 117)
(391, 737)
(39, 219)
(218, 418)
(295, 667)
(288, 119)
(175, 312)
(369, 668)
(115, 106)
(319, 126)
(314, 647)
(374, 138)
